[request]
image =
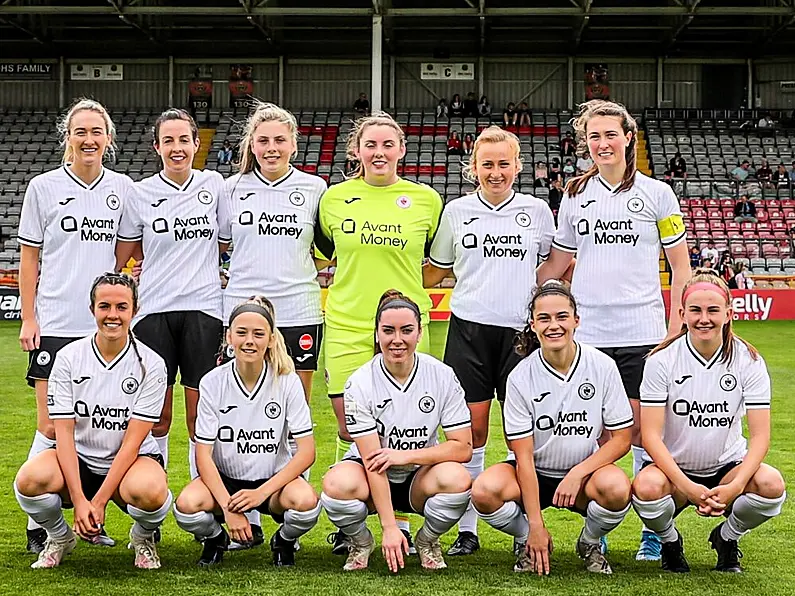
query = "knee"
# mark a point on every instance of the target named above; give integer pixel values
(303, 500)
(339, 485)
(485, 495)
(614, 491)
(148, 496)
(31, 482)
(188, 502)
(769, 484)
(453, 478)
(649, 487)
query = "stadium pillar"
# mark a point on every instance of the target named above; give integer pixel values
(280, 83)
(392, 79)
(570, 79)
(377, 64)
(660, 81)
(61, 82)
(750, 86)
(481, 76)
(171, 80)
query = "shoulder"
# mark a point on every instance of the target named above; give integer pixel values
(208, 177)
(148, 355)
(531, 202)
(742, 356)
(233, 180)
(523, 372)
(217, 375)
(435, 366)
(310, 181)
(75, 349)
(420, 190)
(656, 188)
(118, 178)
(362, 377)
(148, 183)
(54, 175)
(667, 354)
(596, 358)
(461, 204)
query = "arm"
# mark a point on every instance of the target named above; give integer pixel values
(239, 528)
(539, 542)
(223, 247)
(127, 250)
(29, 334)
(558, 263)
(457, 448)
(433, 275)
(679, 259)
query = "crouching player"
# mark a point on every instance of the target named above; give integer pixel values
(394, 407)
(696, 387)
(558, 401)
(105, 393)
(247, 408)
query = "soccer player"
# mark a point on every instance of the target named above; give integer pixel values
(696, 388)
(247, 408)
(173, 222)
(394, 407)
(493, 240)
(70, 219)
(558, 401)
(104, 396)
(617, 220)
(379, 228)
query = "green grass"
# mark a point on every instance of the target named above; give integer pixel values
(770, 569)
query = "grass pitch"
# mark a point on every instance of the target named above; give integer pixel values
(768, 560)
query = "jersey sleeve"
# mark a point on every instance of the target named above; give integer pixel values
(566, 237)
(437, 205)
(517, 413)
(443, 247)
(131, 228)
(149, 402)
(756, 385)
(324, 238)
(299, 421)
(547, 232)
(358, 411)
(207, 419)
(669, 218)
(31, 222)
(224, 214)
(455, 413)
(616, 411)
(60, 401)
(654, 386)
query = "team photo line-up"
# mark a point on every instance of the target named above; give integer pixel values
(577, 353)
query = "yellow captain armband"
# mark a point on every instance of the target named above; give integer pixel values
(671, 226)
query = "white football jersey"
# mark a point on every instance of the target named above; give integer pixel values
(406, 416)
(565, 414)
(494, 252)
(75, 225)
(103, 397)
(248, 430)
(705, 401)
(272, 229)
(617, 237)
(178, 225)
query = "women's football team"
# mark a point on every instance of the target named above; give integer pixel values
(104, 372)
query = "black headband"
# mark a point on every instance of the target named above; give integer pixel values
(251, 307)
(400, 303)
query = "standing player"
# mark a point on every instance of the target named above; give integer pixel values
(616, 220)
(174, 223)
(247, 409)
(696, 388)
(105, 394)
(493, 239)
(559, 400)
(394, 407)
(70, 218)
(379, 228)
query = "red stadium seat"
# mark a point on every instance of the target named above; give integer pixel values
(711, 203)
(727, 213)
(309, 168)
(326, 158)
(439, 170)
(738, 250)
(700, 225)
(727, 203)
(411, 169)
(425, 170)
(698, 213)
(696, 203)
(748, 226)
(774, 214)
(714, 214)
(762, 215)
(788, 204)
(778, 226)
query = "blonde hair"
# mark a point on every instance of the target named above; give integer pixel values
(263, 112)
(65, 123)
(277, 356)
(355, 137)
(703, 275)
(491, 134)
(589, 110)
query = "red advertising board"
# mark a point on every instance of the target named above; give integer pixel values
(757, 305)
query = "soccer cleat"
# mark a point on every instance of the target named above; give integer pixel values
(36, 540)
(213, 551)
(522, 564)
(650, 547)
(729, 554)
(603, 545)
(359, 553)
(257, 538)
(283, 550)
(101, 539)
(145, 552)
(466, 544)
(430, 552)
(339, 542)
(673, 556)
(55, 549)
(591, 553)
(412, 549)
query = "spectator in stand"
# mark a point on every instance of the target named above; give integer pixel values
(456, 107)
(484, 107)
(740, 281)
(469, 143)
(744, 210)
(741, 172)
(541, 175)
(554, 171)
(567, 145)
(695, 256)
(362, 105)
(677, 166)
(726, 267)
(792, 173)
(709, 253)
(555, 196)
(524, 114)
(766, 122)
(584, 163)
(764, 174)
(781, 175)
(509, 115)
(225, 153)
(454, 144)
(442, 109)
(709, 264)
(470, 106)
(568, 169)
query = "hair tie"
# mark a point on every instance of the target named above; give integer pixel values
(399, 303)
(251, 307)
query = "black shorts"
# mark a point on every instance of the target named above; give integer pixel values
(234, 485)
(482, 356)
(41, 359)
(630, 362)
(400, 492)
(547, 485)
(186, 339)
(91, 482)
(303, 344)
(710, 481)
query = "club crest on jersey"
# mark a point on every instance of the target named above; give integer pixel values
(113, 202)
(403, 202)
(635, 204)
(273, 410)
(522, 219)
(305, 342)
(43, 359)
(586, 391)
(296, 198)
(205, 197)
(728, 382)
(129, 385)
(427, 404)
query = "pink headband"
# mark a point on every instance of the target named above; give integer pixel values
(706, 286)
